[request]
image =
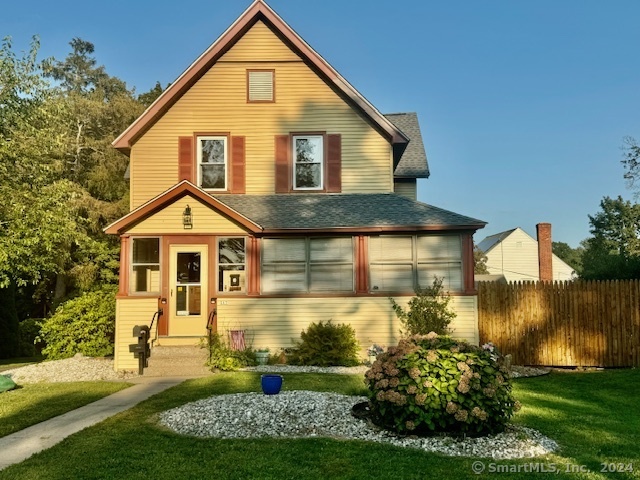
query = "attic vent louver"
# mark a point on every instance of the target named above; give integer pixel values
(260, 87)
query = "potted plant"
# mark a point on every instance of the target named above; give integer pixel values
(271, 383)
(373, 351)
(262, 356)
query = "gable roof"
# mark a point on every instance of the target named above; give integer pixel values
(491, 241)
(413, 163)
(268, 214)
(168, 197)
(257, 11)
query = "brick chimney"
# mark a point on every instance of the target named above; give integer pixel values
(544, 252)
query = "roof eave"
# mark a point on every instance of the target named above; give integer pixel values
(176, 192)
(415, 175)
(373, 229)
(256, 11)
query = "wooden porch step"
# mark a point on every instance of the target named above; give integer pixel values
(178, 361)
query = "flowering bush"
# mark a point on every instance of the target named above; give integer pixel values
(434, 383)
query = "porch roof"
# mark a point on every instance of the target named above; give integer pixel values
(317, 212)
(353, 212)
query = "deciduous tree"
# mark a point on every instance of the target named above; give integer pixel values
(614, 250)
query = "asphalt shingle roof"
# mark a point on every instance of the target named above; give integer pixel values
(413, 163)
(326, 211)
(492, 240)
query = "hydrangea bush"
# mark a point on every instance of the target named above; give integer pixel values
(432, 383)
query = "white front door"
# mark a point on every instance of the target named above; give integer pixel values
(188, 285)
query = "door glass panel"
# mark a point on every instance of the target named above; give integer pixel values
(181, 300)
(188, 286)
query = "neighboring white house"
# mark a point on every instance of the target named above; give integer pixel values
(517, 256)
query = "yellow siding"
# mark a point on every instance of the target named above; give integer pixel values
(260, 43)
(406, 188)
(129, 313)
(277, 322)
(217, 104)
(169, 220)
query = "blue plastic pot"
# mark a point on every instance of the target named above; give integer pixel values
(271, 384)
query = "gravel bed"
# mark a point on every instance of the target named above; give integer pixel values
(75, 369)
(315, 414)
(292, 413)
(297, 369)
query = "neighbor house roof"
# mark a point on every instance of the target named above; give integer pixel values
(258, 11)
(491, 241)
(413, 163)
(358, 212)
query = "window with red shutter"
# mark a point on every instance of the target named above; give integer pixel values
(238, 165)
(185, 159)
(282, 164)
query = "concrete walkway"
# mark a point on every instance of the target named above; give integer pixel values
(21, 445)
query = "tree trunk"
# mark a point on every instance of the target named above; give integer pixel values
(61, 289)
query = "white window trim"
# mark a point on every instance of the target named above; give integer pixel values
(132, 265)
(219, 287)
(294, 162)
(226, 161)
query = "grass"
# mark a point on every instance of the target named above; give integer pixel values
(592, 415)
(10, 363)
(36, 402)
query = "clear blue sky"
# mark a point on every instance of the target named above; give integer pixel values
(523, 104)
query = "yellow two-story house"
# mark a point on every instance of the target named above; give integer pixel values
(267, 193)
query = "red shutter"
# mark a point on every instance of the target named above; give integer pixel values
(283, 166)
(185, 159)
(334, 164)
(238, 167)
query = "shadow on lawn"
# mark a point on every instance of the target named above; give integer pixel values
(592, 415)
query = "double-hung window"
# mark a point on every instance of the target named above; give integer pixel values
(145, 266)
(308, 162)
(403, 263)
(307, 265)
(212, 162)
(232, 265)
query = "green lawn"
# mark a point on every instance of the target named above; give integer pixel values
(594, 416)
(36, 402)
(11, 363)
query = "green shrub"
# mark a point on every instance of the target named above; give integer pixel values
(84, 324)
(326, 345)
(428, 311)
(434, 383)
(222, 357)
(29, 330)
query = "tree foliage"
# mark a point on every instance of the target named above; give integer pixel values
(631, 163)
(479, 261)
(571, 256)
(149, 97)
(60, 179)
(613, 252)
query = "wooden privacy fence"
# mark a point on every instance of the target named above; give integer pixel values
(577, 324)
